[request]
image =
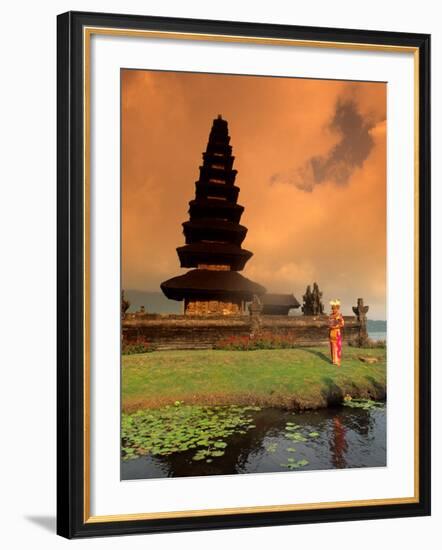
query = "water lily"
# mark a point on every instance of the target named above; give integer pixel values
(181, 428)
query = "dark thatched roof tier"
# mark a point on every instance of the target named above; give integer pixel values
(280, 300)
(217, 172)
(213, 189)
(215, 253)
(278, 304)
(217, 157)
(219, 148)
(210, 229)
(213, 208)
(212, 285)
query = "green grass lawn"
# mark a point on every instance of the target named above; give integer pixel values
(293, 378)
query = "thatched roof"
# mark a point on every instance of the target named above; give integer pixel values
(211, 284)
(213, 229)
(286, 300)
(223, 190)
(213, 253)
(207, 208)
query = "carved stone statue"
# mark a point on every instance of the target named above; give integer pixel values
(255, 309)
(360, 312)
(141, 312)
(307, 299)
(318, 306)
(313, 301)
(125, 304)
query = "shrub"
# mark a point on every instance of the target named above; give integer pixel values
(137, 346)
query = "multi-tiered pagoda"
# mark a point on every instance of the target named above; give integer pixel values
(213, 238)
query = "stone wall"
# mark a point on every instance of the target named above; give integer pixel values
(188, 332)
(308, 330)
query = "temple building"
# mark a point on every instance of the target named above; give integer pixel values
(213, 237)
(278, 304)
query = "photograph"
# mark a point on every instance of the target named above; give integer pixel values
(253, 274)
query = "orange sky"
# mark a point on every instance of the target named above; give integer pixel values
(311, 161)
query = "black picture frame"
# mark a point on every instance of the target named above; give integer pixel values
(71, 519)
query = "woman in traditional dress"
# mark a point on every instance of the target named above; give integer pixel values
(335, 326)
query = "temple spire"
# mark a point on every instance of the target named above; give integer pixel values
(213, 236)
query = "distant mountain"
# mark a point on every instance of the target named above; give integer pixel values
(153, 302)
(376, 326)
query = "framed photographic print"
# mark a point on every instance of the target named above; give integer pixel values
(243, 274)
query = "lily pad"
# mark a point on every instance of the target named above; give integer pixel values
(271, 447)
(217, 453)
(198, 457)
(365, 404)
(178, 428)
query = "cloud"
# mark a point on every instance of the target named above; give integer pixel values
(349, 153)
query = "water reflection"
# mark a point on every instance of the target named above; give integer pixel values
(338, 444)
(348, 438)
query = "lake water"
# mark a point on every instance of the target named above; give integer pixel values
(377, 335)
(345, 438)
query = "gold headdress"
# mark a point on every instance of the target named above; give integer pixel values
(335, 303)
